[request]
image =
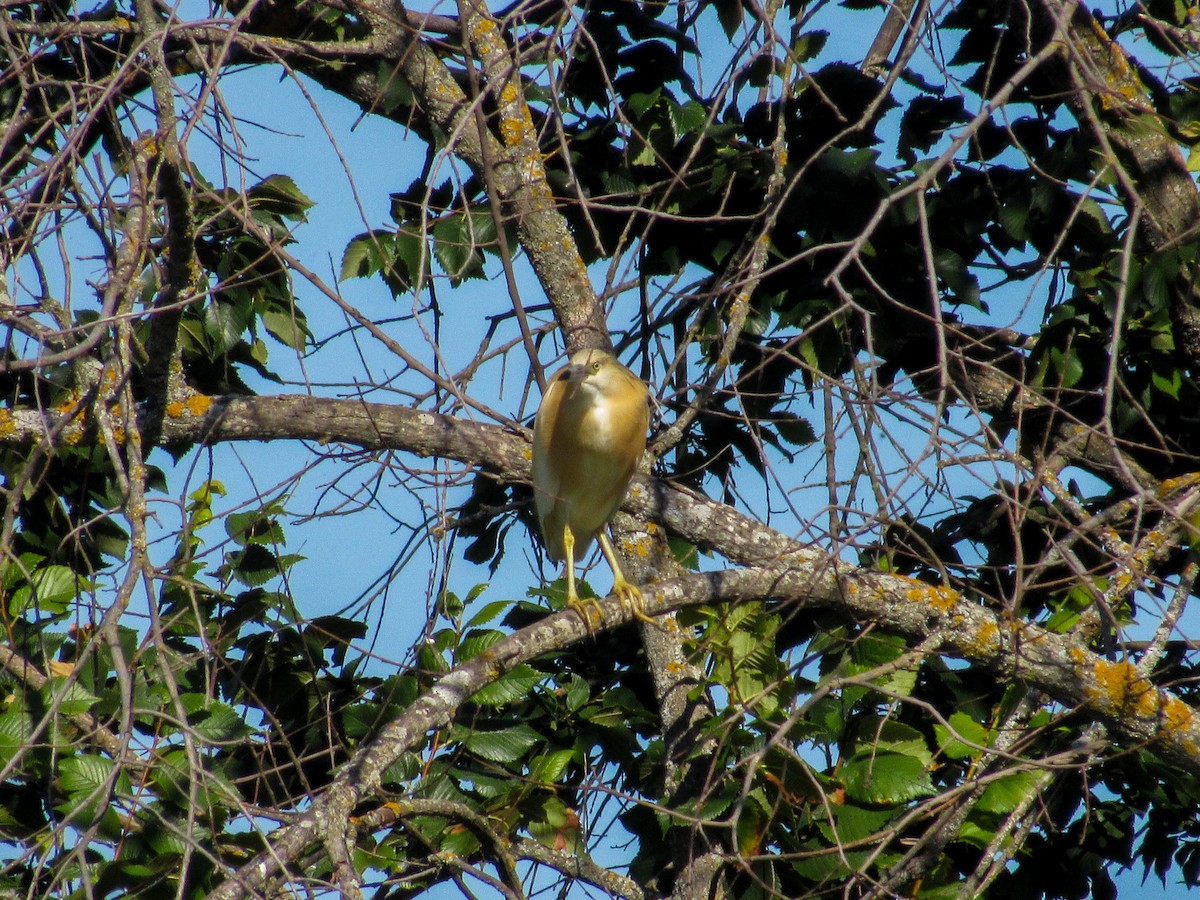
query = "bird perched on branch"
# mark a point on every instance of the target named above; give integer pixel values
(588, 438)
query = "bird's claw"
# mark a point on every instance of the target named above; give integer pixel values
(583, 609)
(632, 601)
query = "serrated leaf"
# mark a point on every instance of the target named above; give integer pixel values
(254, 527)
(255, 566)
(476, 641)
(505, 746)
(794, 430)
(886, 778)
(72, 697)
(50, 590)
(488, 613)
(225, 322)
(1068, 365)
(518, 683)
(84, 774)
(218, 723)
(953, 741)
(363, 256)
(686, 118)
(549, 768)
(809, 44)
(578, 693)
(729, 12)
(281, 196)
(405, 768)
(16, 729)
(1005, 794)
(287, 327)
(896, 737)
(455, 248)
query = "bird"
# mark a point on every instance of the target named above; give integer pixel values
(588, 437)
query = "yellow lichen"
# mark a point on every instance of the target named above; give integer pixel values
(484, 29)
(940, 597)
(196, 405)
(8, 423)
(511, 132)
(986, 639)
(1122, 685)
(67, 404)
(199, 404)
(1177, 716)
(1172, 485)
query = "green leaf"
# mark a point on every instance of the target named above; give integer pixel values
(16, 730)
(214, 721)
(405, 768)
(518, 683)
(488, 613)
(288, 327)
(226, 321)
(505, 746)
(549, 768)
(687, 118)
(1005, 794)
(171, 775)
(1167, 381)
(280, 196)
(953, 741)
(578, 693)
(85, 778)
(255, 527)
(476, 641)
(1068, 366)
(255, 566)
(50, 590)
(72, 698)
(84, 773)
(729, 12)
(394, 90)
(886, 778)
(363, 256)
(809, 44)
(455, 247)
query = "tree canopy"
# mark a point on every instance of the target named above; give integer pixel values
(916, 291)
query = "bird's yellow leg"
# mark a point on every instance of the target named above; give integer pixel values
(580, 606)
(627, 592)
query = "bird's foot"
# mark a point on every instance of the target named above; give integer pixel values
(631, 600)
(584, 609)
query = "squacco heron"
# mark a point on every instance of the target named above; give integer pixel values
(588, 437)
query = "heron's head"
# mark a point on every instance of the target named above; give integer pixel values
(594, 370)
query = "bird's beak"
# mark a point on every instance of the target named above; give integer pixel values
(574, 377)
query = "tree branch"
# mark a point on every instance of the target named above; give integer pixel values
(1137, 713)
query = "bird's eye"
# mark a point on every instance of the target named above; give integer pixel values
(595, 367)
